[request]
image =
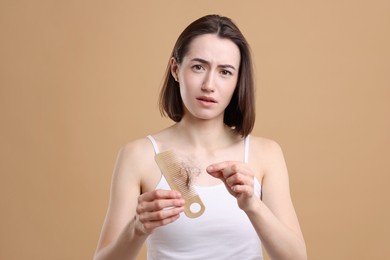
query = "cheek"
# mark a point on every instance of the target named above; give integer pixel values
(192, 79)
(230, 90)
(190, 83)
(185, 90)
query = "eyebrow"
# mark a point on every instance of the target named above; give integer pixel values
(206, 62)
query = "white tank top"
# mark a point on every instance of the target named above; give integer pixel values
(223, 231)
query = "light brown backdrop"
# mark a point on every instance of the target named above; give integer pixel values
(79, 79)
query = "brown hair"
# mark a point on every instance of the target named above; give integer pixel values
(240, 113)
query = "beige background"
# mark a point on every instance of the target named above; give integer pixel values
(79, 79)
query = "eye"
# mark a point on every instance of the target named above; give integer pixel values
(197, 67)
(226, 73)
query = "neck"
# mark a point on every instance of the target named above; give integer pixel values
(204, 133)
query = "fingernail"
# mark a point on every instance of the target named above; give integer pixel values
(210, 168)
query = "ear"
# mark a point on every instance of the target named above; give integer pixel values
(174, 69)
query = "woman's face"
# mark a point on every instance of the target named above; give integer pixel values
(207, 76)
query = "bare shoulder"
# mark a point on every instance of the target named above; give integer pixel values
(138, 149)
(135, 157)
(267, 156)
(265, 147)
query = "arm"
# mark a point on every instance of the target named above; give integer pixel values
(131, 217)
(273, 217)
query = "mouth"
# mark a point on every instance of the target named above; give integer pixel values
(206, 99)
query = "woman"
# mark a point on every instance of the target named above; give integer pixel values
(243, 182)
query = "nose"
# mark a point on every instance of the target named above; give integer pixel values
(208, 83)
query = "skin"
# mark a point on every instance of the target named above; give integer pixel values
(207, 75)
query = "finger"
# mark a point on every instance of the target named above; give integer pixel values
(216, 167)
(155, 224)
(217, 174)
(234, 179)
(158, 204)
(226, 168)
(239, 178)
(147, 224)
(159, 194)
(160, 215)
(220, 170)
(242, 189)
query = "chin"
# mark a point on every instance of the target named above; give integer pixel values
(206, 116)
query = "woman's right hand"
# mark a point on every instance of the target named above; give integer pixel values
(158, 208)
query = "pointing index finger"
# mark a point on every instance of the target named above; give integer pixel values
(222, 169)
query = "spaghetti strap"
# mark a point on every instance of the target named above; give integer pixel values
(246, 149)
(154, 143)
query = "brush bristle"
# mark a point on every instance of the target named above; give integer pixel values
(176, 176)
(178, 179)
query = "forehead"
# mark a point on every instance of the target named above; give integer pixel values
(212, 48)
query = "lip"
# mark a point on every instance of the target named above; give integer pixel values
(206, 99)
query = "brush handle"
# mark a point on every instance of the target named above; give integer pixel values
(193, 201)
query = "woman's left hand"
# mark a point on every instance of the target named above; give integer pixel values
(238, 179)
